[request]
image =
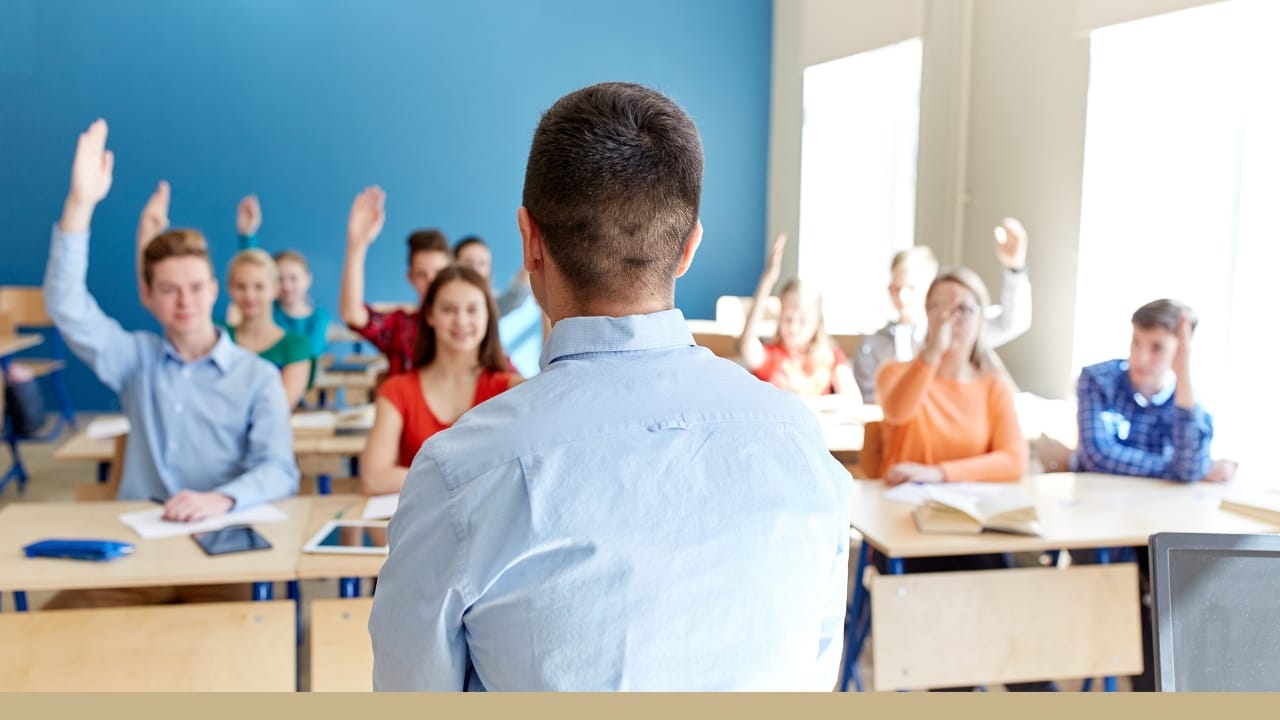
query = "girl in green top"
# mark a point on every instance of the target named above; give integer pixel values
(254, 282)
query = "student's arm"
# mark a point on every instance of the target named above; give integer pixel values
(272, 470)
(318, 332)
(901, 388)
(379, 473)
(842, 374)
(1007, 460)
(1100, 450)
(419, 639)
(153, 221)
(749, 345)
(248, 220)
(516, 293)
(1012, 317)
(110, 352)
(294, 378)
(367, 216)
(1192, 426)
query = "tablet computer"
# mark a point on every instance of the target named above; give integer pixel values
(350, 537)
(231, 539)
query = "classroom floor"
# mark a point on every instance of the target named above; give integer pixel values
(53, 481)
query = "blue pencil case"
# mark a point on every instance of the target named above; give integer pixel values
(96, 550)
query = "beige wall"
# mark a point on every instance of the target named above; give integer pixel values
(1002, 110)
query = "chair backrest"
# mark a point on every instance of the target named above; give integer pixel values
(102, 492)
(24, 306)
(872, 454)
(239, 646)
(1216, 600)
(341, 652)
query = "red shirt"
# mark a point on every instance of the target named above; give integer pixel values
(404, 391)
(395, 334)
(811, 373)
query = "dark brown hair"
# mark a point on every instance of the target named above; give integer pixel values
(429, 240)
(613, 184)
(178, 242)
(1163, 313)
(469, 240)
(491, 355)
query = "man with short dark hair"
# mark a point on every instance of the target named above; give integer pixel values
(1139, 416)
(641, 515)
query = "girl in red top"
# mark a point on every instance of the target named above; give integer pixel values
(802, 357)
(458, 364)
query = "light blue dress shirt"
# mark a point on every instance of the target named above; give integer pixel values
(217, 423)
(642, 515)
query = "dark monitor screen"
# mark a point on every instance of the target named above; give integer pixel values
(1217, 611)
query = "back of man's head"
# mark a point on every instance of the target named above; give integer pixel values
(613, 185)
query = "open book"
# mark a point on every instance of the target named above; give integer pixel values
(946, 511)
(1264, 506)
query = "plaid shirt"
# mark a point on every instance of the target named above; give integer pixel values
(1122, 433)
(394, 334)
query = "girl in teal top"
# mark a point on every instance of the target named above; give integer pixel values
(253, 281)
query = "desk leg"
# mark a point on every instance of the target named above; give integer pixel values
(895, 566)
(104, 472)
(19, 601)
(353, 465)
(348, 587)
(322, 484)
(294, 592)
(1108, 681)
(262, 591)
(853, 633)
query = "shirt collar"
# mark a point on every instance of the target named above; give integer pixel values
(220, 356)
(579, 335)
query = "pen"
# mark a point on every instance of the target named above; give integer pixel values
(156, 500)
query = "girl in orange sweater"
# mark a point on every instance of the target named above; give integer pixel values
(949, 414)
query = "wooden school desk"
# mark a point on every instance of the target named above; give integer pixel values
(157, 562)
(347, 568)
(940, 629)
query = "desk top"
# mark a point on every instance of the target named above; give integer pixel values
(161, 561)
(317, 565)
(10, 344)
(1077, 510)
(81, 447)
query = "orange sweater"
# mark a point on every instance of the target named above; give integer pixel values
(968, 428)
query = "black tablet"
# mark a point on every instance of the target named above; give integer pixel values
(231, 539)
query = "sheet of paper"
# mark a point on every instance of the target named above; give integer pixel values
(313, 420)
(915, 494)
(380, 507)
(106, 428)
(150, 525)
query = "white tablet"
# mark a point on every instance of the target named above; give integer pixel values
(350, 537)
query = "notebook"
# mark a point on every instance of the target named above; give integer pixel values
(949, 512)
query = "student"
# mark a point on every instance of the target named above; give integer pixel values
(459, 364)
(911, 272)
(472, 252)
(641, 515)
(210, 420)
(949, 413)
(293, 310)
(801, 358)
(1140, 416)
(394, 333)
(254, 283)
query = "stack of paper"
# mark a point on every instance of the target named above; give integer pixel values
(150, 524)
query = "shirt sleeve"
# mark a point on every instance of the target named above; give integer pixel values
(246, 242)
(872, 354)
(1012, 317)
(380, 331)
(419, 641)
(110, 352)
(272, 471)
(318, 332)
(1100, 447)
(901, 388)
(1192, 433)
(1007, 460)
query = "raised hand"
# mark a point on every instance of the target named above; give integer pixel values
(90, 177)
(940, 333)
(368, 213)
(773, 267)
(1011, 243)
(248, 216)
(155, 215)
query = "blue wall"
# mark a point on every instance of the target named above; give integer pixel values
(306, 101)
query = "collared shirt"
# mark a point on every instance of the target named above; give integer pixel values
(900, 342)
(641, 515)
(220, 422)
(1124, 433)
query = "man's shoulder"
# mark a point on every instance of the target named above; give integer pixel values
(1104, 373)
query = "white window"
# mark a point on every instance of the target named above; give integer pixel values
(1181, 178)
(858, 179)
